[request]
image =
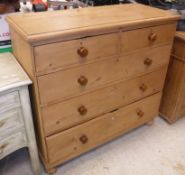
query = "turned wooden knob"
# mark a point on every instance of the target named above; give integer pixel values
(82, 80)
(143, 87)
(84, 139)
(152, 37)
(82, 51)
(140, 113)
(148, 61)
(82, 110)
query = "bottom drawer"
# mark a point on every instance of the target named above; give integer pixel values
(12, 143)
(72, 142)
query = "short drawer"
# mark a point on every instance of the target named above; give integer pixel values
(55, 55)
(147, 37)
(12, 143)
(70, 143)
(8, 101)
(10, 121)
(81, 109)
(76, 81)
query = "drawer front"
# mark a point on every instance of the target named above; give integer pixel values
(55, 55)
(79, 139)
(12, 143)
(65, 84)
(10, 121)
(9, 101)
(80, 109)
(147, 37)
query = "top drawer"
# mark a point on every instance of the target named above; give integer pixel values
(55, 55)
(146, 37)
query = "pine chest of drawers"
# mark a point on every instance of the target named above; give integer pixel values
(97, 73)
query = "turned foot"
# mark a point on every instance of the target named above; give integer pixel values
(51, 170)
(151, 122)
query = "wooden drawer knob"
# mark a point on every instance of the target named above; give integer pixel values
(84, 139)
(152, 37)
(148, 61)
(140, 113)
(143, 87)
(82, 51)
(82, 110)
(82, 80)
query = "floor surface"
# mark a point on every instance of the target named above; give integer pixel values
(149, 150)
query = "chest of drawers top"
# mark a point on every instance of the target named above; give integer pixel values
(72, 24)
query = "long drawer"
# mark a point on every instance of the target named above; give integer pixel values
(10, 121)
(79, 139)
(64, 84)
(55, 55)
(66, 114)
(146, 37)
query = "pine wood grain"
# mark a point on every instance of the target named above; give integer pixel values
(84, 22)
(101, 101)
(64, 84)
(46, 45)
(101, 129)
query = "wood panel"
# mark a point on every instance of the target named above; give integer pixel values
(84, 137)
(172, 94)
(146, 37)
(178, 49)
(24, 55)
(80, 109)
(63, 84)
(56, 55)
(23, 52)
